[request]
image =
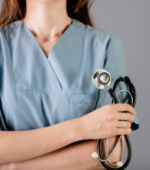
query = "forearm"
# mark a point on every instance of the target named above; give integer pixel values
(17, 146)
(76, 156)
(117, 155)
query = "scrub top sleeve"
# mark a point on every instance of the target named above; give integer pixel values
(114, 63)
(2, 120)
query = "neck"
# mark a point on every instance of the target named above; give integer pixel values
(47, 19)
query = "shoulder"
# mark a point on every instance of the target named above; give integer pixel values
(11, 26)
(7, 37)
(99, 38)
(6, 31)
(97, 35)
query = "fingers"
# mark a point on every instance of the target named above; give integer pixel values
(120, 107)
(119, 131)
(125, 116)
(122, 124)
(122, 131)
(120, 116)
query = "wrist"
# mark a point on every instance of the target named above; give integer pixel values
(81, 130)
(77, 127)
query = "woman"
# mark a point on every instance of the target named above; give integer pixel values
(51, 114)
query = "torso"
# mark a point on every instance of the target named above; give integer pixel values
(38, 92)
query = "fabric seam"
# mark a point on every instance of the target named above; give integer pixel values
(11, 63)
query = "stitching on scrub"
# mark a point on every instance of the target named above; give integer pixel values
(69, 107)
(11, 61)
(38, 91)
(2, 63)
(81, 60)
(81, 102)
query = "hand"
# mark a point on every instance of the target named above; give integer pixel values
(105, 121)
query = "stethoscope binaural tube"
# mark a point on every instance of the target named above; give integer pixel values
(128, 157)
(101, 79)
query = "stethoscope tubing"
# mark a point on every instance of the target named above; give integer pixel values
(129, 148)
(128, 156)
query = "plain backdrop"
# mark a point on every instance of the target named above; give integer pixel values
(130, 21)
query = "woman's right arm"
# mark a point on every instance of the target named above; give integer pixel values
(76, 156)
(18, 146)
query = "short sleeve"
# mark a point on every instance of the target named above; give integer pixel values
(114, 63)
(2, 117)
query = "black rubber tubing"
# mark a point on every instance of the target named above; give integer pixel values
(132, 89)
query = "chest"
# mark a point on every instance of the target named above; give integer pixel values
(39, 91)
(46, 46)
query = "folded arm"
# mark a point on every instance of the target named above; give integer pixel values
(18, 146)
(76, 156)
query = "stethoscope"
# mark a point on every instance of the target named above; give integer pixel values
(102, 79)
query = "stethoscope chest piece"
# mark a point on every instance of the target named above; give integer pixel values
(101, 78)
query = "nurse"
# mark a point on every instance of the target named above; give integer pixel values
(51, 114)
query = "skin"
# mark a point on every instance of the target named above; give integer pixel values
(76, 156)
(42, 148)
(41, 19)
(99, 124)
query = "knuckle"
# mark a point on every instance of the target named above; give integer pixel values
(135, 111)
(129, 116)
(103, 109)
(128, 131)
(110, 116)
(110, 131)
(113, 131)
(127, 106)
(128, 124)
(133, 119)
(110, 125)
(107, 107)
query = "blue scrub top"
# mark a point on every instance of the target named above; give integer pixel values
(36, 91)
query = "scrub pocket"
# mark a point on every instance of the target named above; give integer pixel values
(81, 105)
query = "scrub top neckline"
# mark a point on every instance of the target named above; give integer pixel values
(56, 44)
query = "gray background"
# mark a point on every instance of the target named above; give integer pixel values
(129, 20)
